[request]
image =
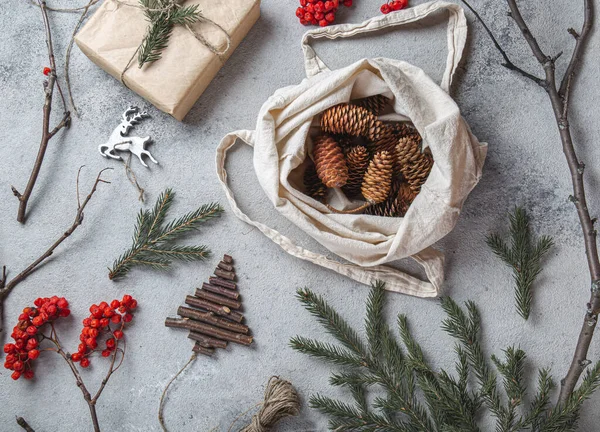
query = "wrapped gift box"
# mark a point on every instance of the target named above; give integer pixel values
(173, 84)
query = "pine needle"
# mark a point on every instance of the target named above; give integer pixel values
(153, 241)
(161, 20)
(522, 256)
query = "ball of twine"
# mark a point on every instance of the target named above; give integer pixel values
(281, 400)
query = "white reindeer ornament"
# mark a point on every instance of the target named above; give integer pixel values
(120, 141)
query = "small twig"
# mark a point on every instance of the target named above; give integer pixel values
(7, 286)
(46, 133)
(21, 422)
(85, 10)
(508, 64)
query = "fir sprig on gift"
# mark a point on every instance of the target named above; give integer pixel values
(162, 15)
(154, 242)
(418, 398)
(522, 256)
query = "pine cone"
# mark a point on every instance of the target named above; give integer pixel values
(387, 142)
(329, 161)
(313, 185)
(414, 164)
(375, 104)
(402, 130)
(401, 196)
(377, 181)
(352, 120)
(357, 160)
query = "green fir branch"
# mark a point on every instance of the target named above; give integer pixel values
(162, 16)
(153, 243)
(419, 399)
(522, 256)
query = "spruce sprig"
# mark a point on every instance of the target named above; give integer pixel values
(522, 256)
(162, 16)
(154, 242)
(420, 399)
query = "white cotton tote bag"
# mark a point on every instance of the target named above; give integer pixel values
(282, 143)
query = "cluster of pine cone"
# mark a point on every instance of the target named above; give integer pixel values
(384, 163)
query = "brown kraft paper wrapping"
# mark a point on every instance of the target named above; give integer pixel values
(173, 83)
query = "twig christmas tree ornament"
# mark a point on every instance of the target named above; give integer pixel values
(213, 320)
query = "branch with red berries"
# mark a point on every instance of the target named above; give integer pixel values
(106, 322)
(7, 286)
(48, 132)
(392, 6)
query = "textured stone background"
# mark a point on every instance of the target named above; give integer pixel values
(525, 166)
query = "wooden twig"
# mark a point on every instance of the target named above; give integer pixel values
(91, 401)
(47, 134)
(559, 99)
(7, 286)
(21, 422)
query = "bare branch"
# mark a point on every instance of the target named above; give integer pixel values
(7, 286)
(581, 39)
(508, 63)
(46, 133)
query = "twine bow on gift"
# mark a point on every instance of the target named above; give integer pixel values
(163, 15)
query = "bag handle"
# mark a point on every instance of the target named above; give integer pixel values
(430, 259)
(457, 35)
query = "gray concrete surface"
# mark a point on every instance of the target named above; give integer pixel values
(525, 166)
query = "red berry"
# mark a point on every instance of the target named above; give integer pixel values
(91, 342)
(110, 343)
(127, 317)
(103, 305)
(299, 14)
(95, 311)
(108, 313)
(118, 334)
(38, 321)
(28, 374)
(116, 303)
(9, 348)
(116, 318)
(16, 375)
(348, 3)
(104, 322)
(86, 322)
(31, 344)
(85, 362)
(33, 354)
(82, 348)
(76, 357)
(385, 8)
(31, 330)
(93, 333)
(95, 323)
(20, 344)
(309, 9)
(133, 304)
(330, 17)
(303, 22)
(328, 5)
(82, 337)
(319, 7)
(303, 3)
(323, 23)
(64, 313)
(18, 365)
(319, 16)
(24, 316)
(105, 353)
(62, 303)
(38, 302)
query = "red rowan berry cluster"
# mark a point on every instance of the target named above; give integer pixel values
(319, 12)
(99, 324)
(393, 5)
(26, 334)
